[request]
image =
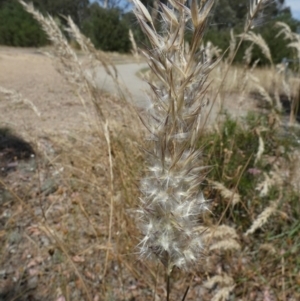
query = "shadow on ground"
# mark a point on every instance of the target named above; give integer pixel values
(12, 149)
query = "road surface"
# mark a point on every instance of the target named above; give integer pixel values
(131, 86)
(137, 92)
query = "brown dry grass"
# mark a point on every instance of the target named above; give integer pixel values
(68, 225)
(239, 81)
(61, 198)
(57, 205)
(55, 211)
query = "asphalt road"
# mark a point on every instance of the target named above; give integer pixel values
(134, 88)
(131, 87)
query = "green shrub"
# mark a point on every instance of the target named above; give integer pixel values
(18, 28)
(278, 46)
(76, 9)
(132, 23)
(231, 153)
(106, 29)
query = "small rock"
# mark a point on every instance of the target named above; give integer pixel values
(49, 186)
(10, 270)
(38, 211)
(2, 273)
(32, 282)
(45, 241)
(15, 237)
(6, 196)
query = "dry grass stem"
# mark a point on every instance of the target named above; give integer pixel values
(110, 226)
(260, 42)
(134, 50)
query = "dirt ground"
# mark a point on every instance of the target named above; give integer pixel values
(34, 189)
(32, 73)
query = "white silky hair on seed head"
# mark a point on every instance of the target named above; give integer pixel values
(172, 202)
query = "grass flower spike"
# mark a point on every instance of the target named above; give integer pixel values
(172, 202)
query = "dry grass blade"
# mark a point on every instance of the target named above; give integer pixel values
(275, 103)
(143, 12)
(98, 58)
(109, 240)
(289, 35)
(263, 217)
(66, 55)
(261, 149)
(89, 48)
(232, 46)
(228, 244)
(223, 293)
(205, 10)
(296, 46)
(261, 43)
(274, 178)
(194, 12)
(255, 6)
(134, 50)
(248, 55)
(16, 97)
(212, 52)
(255, 12)
(285, 31)
(219, 232)
(98, 190)
(71, 67)
(226, 193)
(220, 280)
(51, 233)
(168, 15)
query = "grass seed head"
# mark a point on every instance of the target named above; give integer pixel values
(171, 201)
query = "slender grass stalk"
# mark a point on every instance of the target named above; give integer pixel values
(18, 98)
(168, 287)
(111, 192)
(185, 293)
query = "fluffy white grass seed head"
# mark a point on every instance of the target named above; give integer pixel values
(172, 202)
